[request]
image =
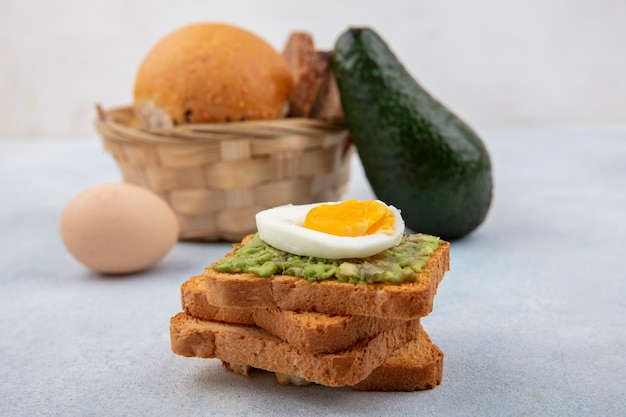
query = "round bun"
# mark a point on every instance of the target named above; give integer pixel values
(211, 73)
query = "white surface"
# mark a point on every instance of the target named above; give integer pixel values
(531, 317)
(494, 62)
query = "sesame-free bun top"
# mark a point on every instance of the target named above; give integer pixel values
(211, 72)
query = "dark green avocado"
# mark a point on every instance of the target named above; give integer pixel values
(417, 155)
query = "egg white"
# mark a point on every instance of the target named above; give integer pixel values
(282, 227)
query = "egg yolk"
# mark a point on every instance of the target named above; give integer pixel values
(351, 218)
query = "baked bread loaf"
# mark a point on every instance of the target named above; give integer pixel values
(306, 331)
(251, 345)
(404, 301)
(211, 72)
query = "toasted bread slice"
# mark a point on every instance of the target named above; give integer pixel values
(251, 345)
(418, 365)
(397, 301)
(194, 303)
(306, 331)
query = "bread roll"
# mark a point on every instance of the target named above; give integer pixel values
(211, 73)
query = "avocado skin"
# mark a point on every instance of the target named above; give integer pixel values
(417, 155)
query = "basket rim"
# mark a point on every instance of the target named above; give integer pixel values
(115, 122)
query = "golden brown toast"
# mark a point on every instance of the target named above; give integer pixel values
(251, 345)
(416, 365)
(307, 331)
(396, 301)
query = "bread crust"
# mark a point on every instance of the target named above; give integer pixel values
(398, 301)
(418, 365)
(251, 345)
(194, 303)
(307, 331)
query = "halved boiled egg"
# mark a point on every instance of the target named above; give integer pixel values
(337, 230)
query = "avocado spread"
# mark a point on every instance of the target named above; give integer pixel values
(395, 265)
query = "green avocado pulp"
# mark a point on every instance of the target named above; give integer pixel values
(395, 265)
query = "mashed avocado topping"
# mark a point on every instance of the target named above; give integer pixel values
(395, 265)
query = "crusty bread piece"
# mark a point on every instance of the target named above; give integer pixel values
(194, 303)
(308, 69)
(418, 365)
(251, 345)
(327, 104)
(404, 301)
(306, 331)
(321, 333)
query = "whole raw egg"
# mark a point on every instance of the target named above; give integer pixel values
(118, 228)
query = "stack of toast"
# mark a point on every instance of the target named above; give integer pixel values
(366, 336)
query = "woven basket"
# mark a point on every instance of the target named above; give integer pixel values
(216, 177)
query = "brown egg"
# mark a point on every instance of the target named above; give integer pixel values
(118, 228)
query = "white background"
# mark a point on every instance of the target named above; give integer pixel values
(494, 62)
